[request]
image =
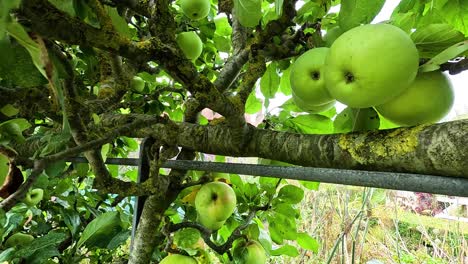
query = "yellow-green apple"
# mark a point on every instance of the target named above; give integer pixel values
(251, 252)
(427, 100)
(215, 202)
(307, 77)
(137, 84)
(33, 197)
(190, 44)
(178, 259)
(18, 239)
(208, 222)
(370, 64)
(313, 109)
(195, 9)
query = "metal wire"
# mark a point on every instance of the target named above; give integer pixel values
(388, 180)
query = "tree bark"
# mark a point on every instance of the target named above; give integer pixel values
(439, 149)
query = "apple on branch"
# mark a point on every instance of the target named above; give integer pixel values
(178, 259)
(370, 64)
(190, 44)
(251, 252)
(307, 79)
(195, 9)
(215, 202)
(428, 99)
(33, 197)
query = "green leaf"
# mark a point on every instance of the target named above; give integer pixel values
(253, 104)
(444, 56)
(119, 239)
(279, 7)
(9, 110)
(47, 244)
(17, 66)
(3, 168)
(287, 250)
(119, 22)
(66, 6)
(291, 194)
(356, 119)
(19, 33)
(311, 124)
(187, 238)
(269, 83)
(223, 28)
(54, 169)
(285, 84)
(7, 254)
(248, 12)
(307, 242)
(5, 7)
(314, 186)
(434, 38)
(13, 130)
(98, 231)
(356, 12)
(72, 220)
(454, 13)
(282, 227)
(222, 43)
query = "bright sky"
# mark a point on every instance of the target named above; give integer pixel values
(459, 81)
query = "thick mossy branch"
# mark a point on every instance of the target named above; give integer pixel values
(421, 149)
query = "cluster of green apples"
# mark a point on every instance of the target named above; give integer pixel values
(189, 42)
(215, 202)
(374, 65)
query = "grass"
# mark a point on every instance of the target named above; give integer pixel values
(358, 225)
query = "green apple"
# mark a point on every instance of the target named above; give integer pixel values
(307, 77)
(313, 109)
(195, 9)
(208, 222)
(370, 64)
(137, 84)
(190, 44)
(33, 197)
(18, 239)
(251, 252)
(215, 202)
(331, 35)
(428, 99)
(178, 259)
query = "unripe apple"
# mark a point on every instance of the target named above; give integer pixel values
(195, 9)
(313, 109)
(369, 65)
(190, 44)
(33, 197)
(178, 259)
(208, 222)
(427, 100)
(251, 252)
(215, 201)
(137, 84)
(307, 77)
(18, 239)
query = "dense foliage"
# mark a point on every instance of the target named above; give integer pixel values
(93, 78)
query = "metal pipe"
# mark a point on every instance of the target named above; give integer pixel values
(387, 180)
